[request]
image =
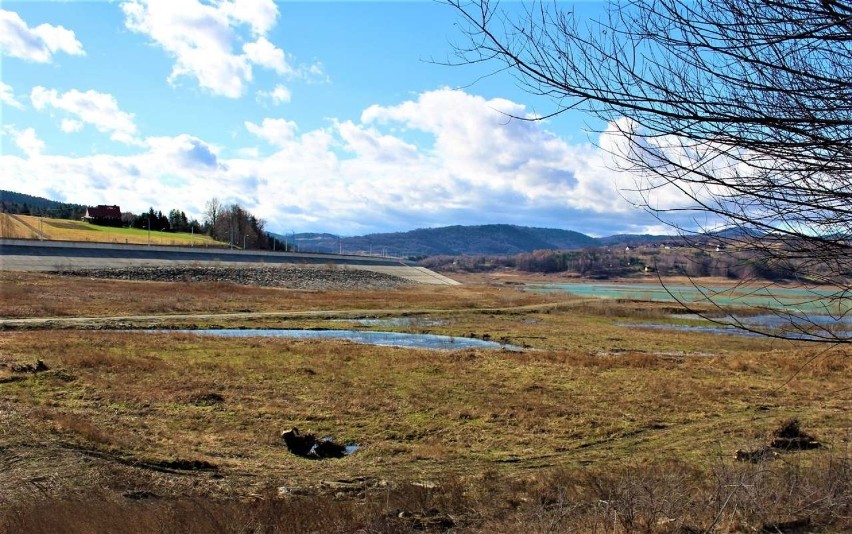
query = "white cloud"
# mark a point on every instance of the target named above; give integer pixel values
(37, 44)
(70, 125)
(7, 96)
(370, 144)
(26, 140)
(276, 132)
(201, 37)
(445, 157)
(266, 54)
(184, 151)
(90, 107)
(478, 142)
(278, 95)
(259, 14)
(626, 144)
(317, 72)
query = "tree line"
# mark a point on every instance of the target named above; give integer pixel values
(237, 226)
(231, 223)
(175, 221)
(612, 262)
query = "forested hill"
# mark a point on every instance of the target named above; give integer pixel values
(11, 202)
(488, 239)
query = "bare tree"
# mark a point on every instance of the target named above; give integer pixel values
(212, 212)
(742, 107)
(240, 228)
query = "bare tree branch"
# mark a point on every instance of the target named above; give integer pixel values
(741, 107)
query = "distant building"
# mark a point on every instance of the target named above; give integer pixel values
(103, 215)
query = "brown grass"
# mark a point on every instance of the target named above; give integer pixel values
(42, 295)
(30, 227)
(662, 498)
(16, 227)
(603, 429)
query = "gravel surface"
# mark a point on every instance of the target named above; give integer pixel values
(311, 278)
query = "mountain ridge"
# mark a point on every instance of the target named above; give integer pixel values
(454, 240)
(460, 240)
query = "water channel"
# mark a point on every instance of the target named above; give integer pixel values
(370, 337)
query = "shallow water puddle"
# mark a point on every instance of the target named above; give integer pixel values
(395, 321)
(387, 339)
(793, 327)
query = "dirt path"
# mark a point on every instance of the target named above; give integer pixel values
(121, 321)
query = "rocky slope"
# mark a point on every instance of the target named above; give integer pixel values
(307, 278)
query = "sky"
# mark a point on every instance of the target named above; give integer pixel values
(326, 116)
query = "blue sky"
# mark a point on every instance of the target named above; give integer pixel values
(315, 116)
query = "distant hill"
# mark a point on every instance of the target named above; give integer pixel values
(489, 239)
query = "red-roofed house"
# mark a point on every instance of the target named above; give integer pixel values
(103, 215)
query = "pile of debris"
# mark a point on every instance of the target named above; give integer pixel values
(27, 368)
(789, 437)
(309, 446)
(15, 372)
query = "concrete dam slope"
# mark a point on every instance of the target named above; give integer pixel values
(26, 255)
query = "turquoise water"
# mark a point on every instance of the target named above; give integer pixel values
(807, 300)
(795, 313)
(387, 339)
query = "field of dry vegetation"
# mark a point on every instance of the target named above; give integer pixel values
(594, 427)
(31, 227)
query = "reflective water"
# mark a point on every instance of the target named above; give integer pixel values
(813, 326)
(714, 329)
(395, 321)
(388, 339)
(804, 299)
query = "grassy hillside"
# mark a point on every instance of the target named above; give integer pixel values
(29, 227)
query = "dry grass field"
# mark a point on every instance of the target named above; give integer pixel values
(594, 427)
(29, 227)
